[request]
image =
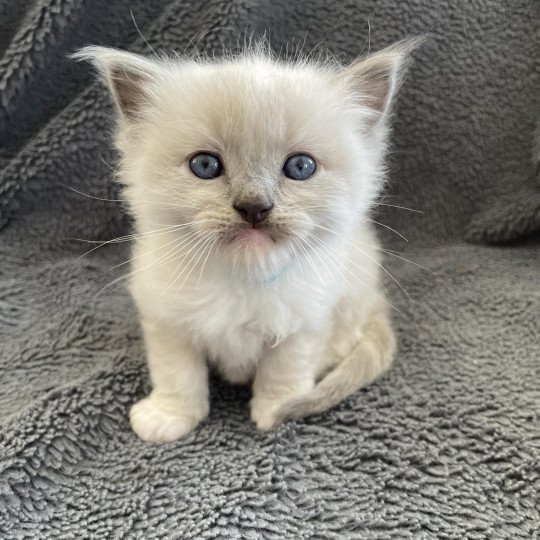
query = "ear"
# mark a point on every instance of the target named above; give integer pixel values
(375, 80)
(127, 75)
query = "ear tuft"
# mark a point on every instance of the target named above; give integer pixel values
(376, 79)
(127, 75)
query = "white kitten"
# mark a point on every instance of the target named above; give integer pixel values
(250, 180)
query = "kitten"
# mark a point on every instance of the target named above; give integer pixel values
(250, 180)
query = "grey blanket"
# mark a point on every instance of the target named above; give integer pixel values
(446, 445)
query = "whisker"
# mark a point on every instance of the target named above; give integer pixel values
(123, 201)
(343, 255)
(101, 244)
(114, 170)
(165, 258)
(371, 258)
(318, 254)
(400, 207)
(295, 255)
(386, 227)
(129, 238)
(387, 252)
(350, 286)
(91, 196)
(176, 193)
(175, 241)
(206, 259)
(337, 259)
(174, 259)
(167, 203)
(174, 277)
(149, 234)
(199, 248)
(311, 263)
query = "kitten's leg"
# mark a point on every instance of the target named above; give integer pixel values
(179, 399)
(364, 354)
(287, 370)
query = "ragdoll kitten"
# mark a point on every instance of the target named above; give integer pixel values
(250, 180)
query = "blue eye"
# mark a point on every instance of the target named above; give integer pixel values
(299, 167)
(206, 166)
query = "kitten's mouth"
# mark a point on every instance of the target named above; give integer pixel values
(262, 237)
(255, 236)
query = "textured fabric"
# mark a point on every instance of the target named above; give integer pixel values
(446, 445)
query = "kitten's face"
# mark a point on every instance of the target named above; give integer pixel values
(257, 159)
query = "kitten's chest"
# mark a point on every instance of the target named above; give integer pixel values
(243, 310)
(241, 320)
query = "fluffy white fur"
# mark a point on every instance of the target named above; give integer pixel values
(295, 309)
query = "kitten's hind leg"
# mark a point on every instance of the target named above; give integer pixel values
(366, 359)
(179, 399)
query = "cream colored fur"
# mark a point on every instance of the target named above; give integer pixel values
(278, 311)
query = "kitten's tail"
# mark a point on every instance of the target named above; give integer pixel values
(367, 361)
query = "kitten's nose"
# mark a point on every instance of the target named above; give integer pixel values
(253, 213)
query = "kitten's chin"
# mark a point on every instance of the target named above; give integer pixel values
(256, 252)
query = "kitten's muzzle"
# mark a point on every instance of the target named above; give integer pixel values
(253, 213)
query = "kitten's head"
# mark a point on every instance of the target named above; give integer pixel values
(256, 158)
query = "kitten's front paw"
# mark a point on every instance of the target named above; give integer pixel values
(263, 413)
(154, 424)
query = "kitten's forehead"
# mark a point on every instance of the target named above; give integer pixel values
(256, 104)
